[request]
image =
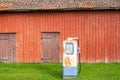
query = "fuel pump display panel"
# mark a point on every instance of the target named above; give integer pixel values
(69, 47)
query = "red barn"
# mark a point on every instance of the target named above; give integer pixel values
(33, 30)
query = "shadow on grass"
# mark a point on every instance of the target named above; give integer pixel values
(51, 70)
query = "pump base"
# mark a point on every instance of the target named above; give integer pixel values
(69, 77)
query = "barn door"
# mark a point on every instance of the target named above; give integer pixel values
(7, 47)
(50, 46)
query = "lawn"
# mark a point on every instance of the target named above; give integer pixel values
(53, 71)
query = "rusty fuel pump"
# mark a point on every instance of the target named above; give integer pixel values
(70, 58)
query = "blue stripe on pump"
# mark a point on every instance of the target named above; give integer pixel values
(70, 71)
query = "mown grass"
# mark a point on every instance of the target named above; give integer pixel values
(53, 71)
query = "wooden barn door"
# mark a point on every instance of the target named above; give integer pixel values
(7, 47)
(50, 46)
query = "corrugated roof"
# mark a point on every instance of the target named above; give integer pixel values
(58, 4)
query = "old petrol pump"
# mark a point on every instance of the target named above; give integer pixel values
(70, 58)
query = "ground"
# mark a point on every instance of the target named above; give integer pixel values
(53, 71)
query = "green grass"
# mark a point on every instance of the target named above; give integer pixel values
(53, 71)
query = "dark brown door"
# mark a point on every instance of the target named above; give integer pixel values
(7, 47)
(50, 46)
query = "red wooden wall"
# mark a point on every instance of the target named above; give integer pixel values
(98, 32)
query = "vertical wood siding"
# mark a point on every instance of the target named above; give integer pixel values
(98, 32)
